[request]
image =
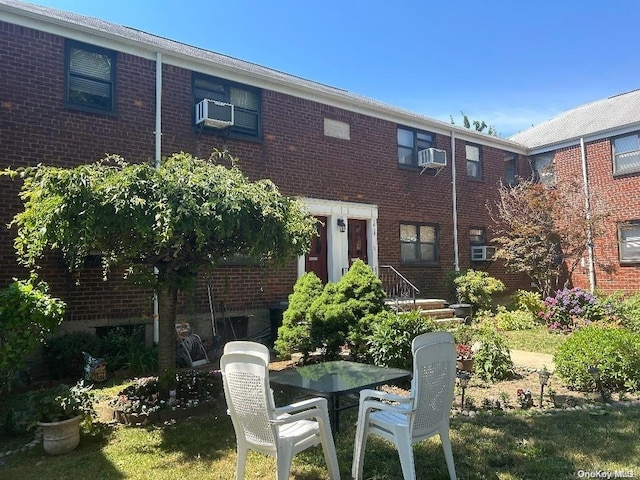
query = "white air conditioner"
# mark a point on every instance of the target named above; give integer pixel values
(432, 158)
(482, 253)
(214, 114)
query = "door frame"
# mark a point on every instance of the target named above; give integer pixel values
(337, 241)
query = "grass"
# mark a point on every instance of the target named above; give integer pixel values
(519, 445)
(535, 340)
(508, 447)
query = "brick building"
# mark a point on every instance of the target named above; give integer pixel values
(598, 143)
(74, 88)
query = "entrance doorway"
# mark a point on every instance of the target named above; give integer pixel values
(357, 234)
(316, 259)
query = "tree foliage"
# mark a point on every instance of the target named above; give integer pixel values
(27, 314)
(544, 232)
(478, 125)
(187, 213)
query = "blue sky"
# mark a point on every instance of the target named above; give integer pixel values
(510, 63)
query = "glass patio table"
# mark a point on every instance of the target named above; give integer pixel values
(331, 380)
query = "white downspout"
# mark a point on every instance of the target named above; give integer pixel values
(158, 153)
(587, 206)
(454, 194)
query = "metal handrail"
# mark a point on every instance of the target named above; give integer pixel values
(397, 288)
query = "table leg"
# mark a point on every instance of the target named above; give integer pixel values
(333, 414)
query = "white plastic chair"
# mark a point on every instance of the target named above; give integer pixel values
(282, 432)
(421, 415)
(244, 346)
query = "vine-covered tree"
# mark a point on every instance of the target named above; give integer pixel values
(186, 214)
(544, 232)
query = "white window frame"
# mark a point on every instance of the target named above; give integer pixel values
(632, 155)
(629, 242)
(473, 154)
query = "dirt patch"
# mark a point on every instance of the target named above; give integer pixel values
(481, 394)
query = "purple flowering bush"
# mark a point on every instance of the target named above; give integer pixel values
(569, 309)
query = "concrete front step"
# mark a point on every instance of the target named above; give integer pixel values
(421, 303)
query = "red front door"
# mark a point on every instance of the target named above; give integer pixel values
(357, 232)
(316, 259)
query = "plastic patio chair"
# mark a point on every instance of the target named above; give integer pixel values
(281, 432)
(421, 415)
(243, 346)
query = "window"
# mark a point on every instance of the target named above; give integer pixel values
(626, 154)
(245, 100)
(418, 243)
(409, 143)
(90, 77)
(543, 169)
(629, 242)
(477, 236)
(474, 161)
(510, 169)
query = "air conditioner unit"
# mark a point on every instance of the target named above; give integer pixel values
(432, 158)
(482, 253)
(214, 114)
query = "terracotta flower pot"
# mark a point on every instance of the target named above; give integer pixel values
(61, 437)
(466, 365)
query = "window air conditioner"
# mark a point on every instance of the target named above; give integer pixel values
(482, 253)
(432, 158)
(214, 114)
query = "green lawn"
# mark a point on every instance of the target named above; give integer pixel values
(534, 340)
(508, 447)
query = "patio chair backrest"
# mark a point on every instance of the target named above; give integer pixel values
(246, 388)
(244, 346)
(434, 374)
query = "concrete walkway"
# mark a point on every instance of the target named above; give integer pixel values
(532, 360)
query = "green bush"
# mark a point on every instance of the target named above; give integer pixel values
(476, 288)
(623, 311)
(492, 359)
(122, 348)
(294, 335)
(27, 314)
(330, 322)
(532, 302)
(615, 351)
(63, 354)
(389, 343)
(514, 319)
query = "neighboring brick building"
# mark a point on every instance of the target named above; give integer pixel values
(73, 88)
(603, 137)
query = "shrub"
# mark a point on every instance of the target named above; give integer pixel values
(294, 334)
(615, 351)
(27, 314)
(63, 354)
(514, 319)
(571, 308)
(122, 348)
(389, 343)
(330, 321)
(476, 288)
(492, 360)
(623, 311)
(525, 300)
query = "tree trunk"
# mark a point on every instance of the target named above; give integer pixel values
(167, 300)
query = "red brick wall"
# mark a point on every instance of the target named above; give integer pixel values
(294, 153)
(621, 197)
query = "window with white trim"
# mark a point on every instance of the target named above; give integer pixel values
(418, 243)
(626, 154)
(474, 161)
(629, 242)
